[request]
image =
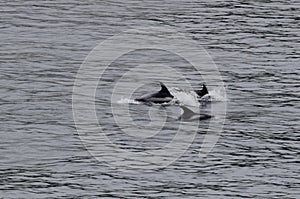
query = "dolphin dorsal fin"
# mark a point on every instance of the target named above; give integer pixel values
(202, 92)
(164, 89)
(187, 111)
(188, 114)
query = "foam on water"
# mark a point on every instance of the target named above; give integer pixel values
(188, 98)
(216, 95)
(127, 101)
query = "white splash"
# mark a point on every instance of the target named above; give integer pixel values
(184, 97)
(127, 101)
(218, 94)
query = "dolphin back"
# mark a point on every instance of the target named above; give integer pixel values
(161, 96)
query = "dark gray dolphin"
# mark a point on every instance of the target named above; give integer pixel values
(202, 92)
(162, 96)
(189, 115)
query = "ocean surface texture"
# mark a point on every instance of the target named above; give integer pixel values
(254, 44)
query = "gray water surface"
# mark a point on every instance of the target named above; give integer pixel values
(255, 45)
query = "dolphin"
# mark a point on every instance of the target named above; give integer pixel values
(162, 96)
(189, 115)
(202, 92)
